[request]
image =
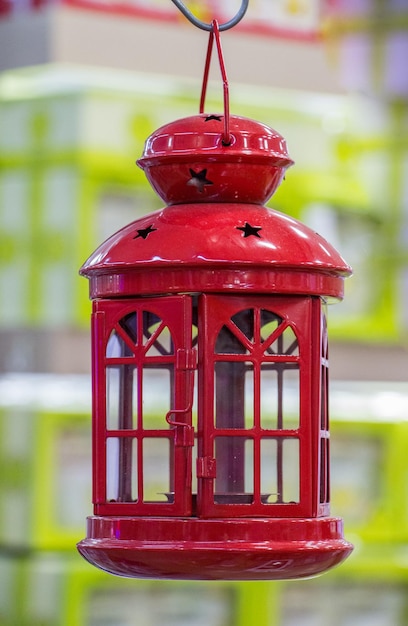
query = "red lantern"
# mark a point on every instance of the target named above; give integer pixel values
(217, 296)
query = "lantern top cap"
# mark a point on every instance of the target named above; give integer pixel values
(187, 160)
(202, 136)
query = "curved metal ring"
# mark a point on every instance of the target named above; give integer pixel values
(194, 20)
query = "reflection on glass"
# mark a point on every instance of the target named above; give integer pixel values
(290, 470)
(324, 404)
(121, 396)
(158, 391)
(257, 389)
(269, 323)
(279, 395)
(249, 407)
(230, 375)
(129, 325)
(156, 470)
(234, 384)
(234, 459)
(280, 470)
(157, 338)
(117, 347)
(234, 338)
(324, 470)
(121, 464)
(284, 344)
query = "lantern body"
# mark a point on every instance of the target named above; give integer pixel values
(219, 308)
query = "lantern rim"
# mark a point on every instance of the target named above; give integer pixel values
(227, 549)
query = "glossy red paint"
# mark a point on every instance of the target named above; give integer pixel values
(200, 247)
(219, 297)
(249, 169)
(227, 549)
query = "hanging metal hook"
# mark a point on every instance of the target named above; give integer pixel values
(194, 20)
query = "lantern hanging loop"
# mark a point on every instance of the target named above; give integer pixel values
(215, 34)
(194, 20)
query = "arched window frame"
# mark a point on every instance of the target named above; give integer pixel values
(126, 440)
(297, 312)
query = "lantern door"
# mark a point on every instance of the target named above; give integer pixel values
(255, 407)
(143, 436)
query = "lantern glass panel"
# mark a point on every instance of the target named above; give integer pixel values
(228, 343)
(129, 326)
(121, 473)
(324, 404)
(233, 384)
(156, 470)
(117, 346)
(244, 322)
(269, 323)
(279, 470)
(324, 470)
(249, 396)
(235, 476)
(285, 343)
(156, 336)
(280, 395)
(157, 394)
(121, 396)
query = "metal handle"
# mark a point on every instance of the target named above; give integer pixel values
(194, 20)
(215, 34)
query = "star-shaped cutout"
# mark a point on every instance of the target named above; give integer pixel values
(144, 232)
(249, 230)
(217, 118)
(199, 180)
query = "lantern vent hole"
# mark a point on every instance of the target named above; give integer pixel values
(144, 232)
(199, 179)
(249, 230)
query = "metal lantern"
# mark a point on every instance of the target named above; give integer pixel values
(210, 369)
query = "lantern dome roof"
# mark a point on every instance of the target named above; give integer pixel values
(213, 247)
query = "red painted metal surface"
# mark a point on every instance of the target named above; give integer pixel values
(218, 297)
(201, 247)
(227, 549)
(187, 161)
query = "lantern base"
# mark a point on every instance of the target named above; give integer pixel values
(216, 549)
